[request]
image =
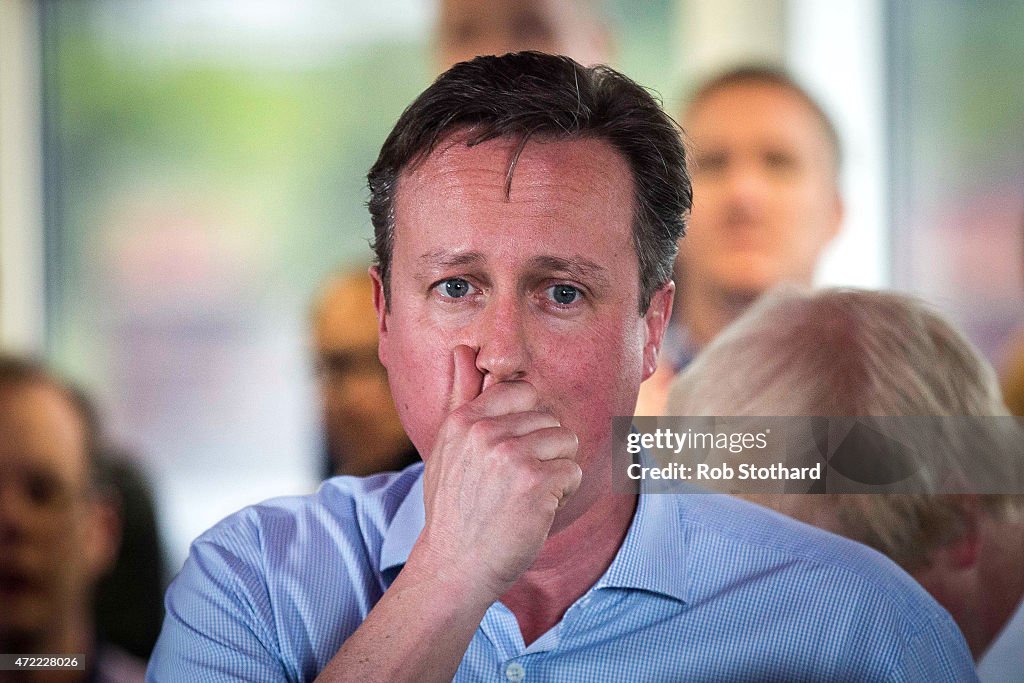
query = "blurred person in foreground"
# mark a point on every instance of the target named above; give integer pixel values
(766, 162)
(363, 434)
(470, 28)
(860, 353)
(526, 214)
(59, 529)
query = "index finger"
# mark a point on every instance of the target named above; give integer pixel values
(467, 380)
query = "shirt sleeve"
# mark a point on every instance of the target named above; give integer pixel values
(217, 621)
(937, 653)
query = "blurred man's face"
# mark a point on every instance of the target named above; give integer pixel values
(364, 434)
(543, 284)
(51, 547)
(468, 28)
(765, 196)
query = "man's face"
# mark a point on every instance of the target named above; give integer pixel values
(467, 28)
(543, 284)
(364, 434)
(765, 195)
(49, 545)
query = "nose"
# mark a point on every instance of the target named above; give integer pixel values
(502, 338)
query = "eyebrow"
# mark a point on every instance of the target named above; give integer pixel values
(576, 267)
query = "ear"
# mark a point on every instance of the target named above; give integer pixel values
(656, 321)
(380, 304)
(962, 553)
(955, 562)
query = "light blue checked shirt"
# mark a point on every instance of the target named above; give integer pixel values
(704, 588)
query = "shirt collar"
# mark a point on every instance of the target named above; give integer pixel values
(653, 555)
(651, 558)
(405, 528)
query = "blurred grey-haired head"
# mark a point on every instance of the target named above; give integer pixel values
(845, 352)
(838, 352)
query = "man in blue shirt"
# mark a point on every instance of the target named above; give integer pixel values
(526, 213)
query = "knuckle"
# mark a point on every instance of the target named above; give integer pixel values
(480, 431)
(541, 479)
(503, 451)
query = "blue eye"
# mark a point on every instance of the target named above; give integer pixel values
(453, 288)
(563, 294)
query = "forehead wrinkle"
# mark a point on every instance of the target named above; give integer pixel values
(450, 257)
(447, 162)
(472, 173)
(565, 183)
(467, 184)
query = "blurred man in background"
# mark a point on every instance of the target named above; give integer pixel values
(59, 530)
(849, 353)
(468, 28)
(362, 431)
(766, 203)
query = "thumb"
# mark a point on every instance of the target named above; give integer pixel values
(466, 379)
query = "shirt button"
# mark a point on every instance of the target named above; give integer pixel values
(515, 672)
